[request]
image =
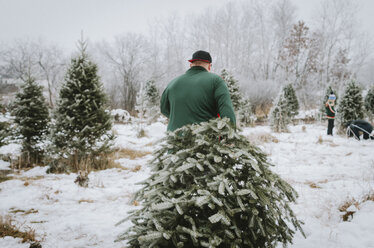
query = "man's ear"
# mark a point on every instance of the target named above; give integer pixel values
(209, 67)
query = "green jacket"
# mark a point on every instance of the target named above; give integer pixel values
(195, 97)
(330, 111)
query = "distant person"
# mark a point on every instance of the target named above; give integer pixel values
(330, 112)
(196, 96)
(354, 128)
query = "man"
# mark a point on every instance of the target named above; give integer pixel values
(196, 96)
(355, 127)
(330, 113)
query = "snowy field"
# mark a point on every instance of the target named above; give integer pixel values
(327, 173)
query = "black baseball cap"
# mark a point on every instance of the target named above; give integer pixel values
(201, 56)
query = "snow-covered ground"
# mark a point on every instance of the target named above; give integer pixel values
(326, 172)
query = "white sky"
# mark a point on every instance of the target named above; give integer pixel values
(62, 21)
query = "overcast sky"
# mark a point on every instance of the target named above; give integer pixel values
(61, 21)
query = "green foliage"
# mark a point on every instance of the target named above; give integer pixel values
(4, 132)
(280, 114)
(291, 100)
(242, 106)
(351, 105)
(211, 188)
(369, 101)
(2, 109)
(32, 119)
(82, 124)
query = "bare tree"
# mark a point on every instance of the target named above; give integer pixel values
(19, 60)
(127, 57)
(52, 65)
(36, 59)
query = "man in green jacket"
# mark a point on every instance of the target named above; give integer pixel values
(197, 95)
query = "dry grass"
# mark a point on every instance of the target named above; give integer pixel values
(303, 129)
(136, 168)
(348, 215)
(4, 178)
(85, 200)
(24, 212)
(262, 137)
(130, 153)
(313, 185)
(7, 228)
(141, 133)
(101, 162)
(323, 181)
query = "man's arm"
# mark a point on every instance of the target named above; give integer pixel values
(223, 100)
(165, 105)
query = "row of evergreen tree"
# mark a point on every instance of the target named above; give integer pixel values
(77, 132)
(351, 107)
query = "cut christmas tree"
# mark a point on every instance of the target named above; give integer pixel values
(211, 188)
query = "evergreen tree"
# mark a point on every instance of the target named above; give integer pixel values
(148, 101)
(242, 107)
(4, 132)
(82, 125)
(3, 126)
(291, 100)
(232, 84)
(280, 114)
(207, 191)
(369, 102)
(351, 105)
(32, 118)
(245, 113)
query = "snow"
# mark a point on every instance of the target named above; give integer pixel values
(4, 165)
(326, 172)
(11, 149)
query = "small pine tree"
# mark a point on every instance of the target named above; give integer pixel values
(242, 107)
(369, 102)
(4, 132)
(245, 113)
(210, 192)
(82, 126)
(148, 101)
(291, 100)
(232, 84)
(280, 114)
(31, 117)
(351, 105)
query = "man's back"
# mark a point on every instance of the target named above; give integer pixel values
(195, 97)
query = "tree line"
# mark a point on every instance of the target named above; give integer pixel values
(264, 45)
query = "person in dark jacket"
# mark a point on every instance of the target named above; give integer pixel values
(196, 96)
(354, 128)
(330, 112)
